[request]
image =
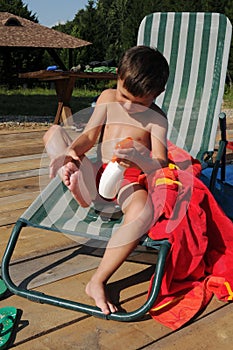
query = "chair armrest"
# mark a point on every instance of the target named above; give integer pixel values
(221, 154)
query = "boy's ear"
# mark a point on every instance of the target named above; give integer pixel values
(116, 70)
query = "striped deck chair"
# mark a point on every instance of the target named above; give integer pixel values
(197, 47)
(55, 209)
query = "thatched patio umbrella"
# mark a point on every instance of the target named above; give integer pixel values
(19, 32)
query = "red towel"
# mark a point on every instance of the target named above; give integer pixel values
(200, 262)
(230, 145)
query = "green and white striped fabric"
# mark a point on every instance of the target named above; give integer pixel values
(56, 209)
(196, 46)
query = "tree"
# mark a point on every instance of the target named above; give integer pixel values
(18, 8)
(87, 26)
(112, 25)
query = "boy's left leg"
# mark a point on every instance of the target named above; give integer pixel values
(80, 178)
(137, 208)
(56, 141)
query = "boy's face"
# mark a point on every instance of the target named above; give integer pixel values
(132, 104)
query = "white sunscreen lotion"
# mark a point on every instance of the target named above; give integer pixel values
(112, 176)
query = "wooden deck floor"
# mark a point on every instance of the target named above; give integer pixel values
(51, 262)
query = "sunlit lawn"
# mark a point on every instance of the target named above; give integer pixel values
(43, 102)
(40, 102)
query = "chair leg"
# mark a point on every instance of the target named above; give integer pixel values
(76, 306)
(155, 288)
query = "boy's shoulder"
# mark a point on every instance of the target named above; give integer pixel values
(154, 107)
(108, 95)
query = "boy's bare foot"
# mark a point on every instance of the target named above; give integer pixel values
(96, 291)
(73, 179)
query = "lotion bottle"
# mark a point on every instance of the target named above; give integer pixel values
(112, 176)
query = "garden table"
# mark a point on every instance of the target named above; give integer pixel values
(64, 85)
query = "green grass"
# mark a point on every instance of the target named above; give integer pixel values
(43, 102)
(228, 98)
(40, 102)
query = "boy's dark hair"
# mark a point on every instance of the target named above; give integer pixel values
(144, 71)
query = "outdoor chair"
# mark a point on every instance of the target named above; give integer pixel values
(196, 46)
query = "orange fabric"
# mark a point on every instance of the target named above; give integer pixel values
(175, 311)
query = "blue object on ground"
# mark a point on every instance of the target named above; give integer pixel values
(52, 68)
(223, 192)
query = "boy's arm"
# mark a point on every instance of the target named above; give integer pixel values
(155, 159)
(158, 157)
(90, 134)
(158, 135)
(84, 142)
(159, 143)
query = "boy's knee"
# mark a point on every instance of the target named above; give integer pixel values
(146, 214)
(140, 211)
(50, 132)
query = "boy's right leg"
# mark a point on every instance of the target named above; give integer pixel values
(138, 215)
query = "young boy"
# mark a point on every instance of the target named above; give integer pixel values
(127, 111)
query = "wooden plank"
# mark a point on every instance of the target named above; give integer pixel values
(22, 158)
(24, 174)
(85, 326)
(12, 208)
(22, 185)
(34, 242)
(20, 166)
(25, 135)
(21, 144)
(21, 140)
(212, 332)
(24, 127)
(14, 202)
(10, 217)
(73, 330)
(54, 266)
(17, 149)
(67, 329)
(59, 263)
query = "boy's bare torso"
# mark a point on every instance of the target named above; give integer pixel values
(121, 120)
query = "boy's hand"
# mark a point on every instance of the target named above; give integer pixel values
(128, 157)
(61, 160)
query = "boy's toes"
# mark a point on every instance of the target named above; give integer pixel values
(112, 308)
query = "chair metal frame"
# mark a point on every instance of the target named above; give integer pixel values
(162, 247)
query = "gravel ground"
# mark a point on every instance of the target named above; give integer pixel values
(229, 113)
(24, 122)
(37, 122)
